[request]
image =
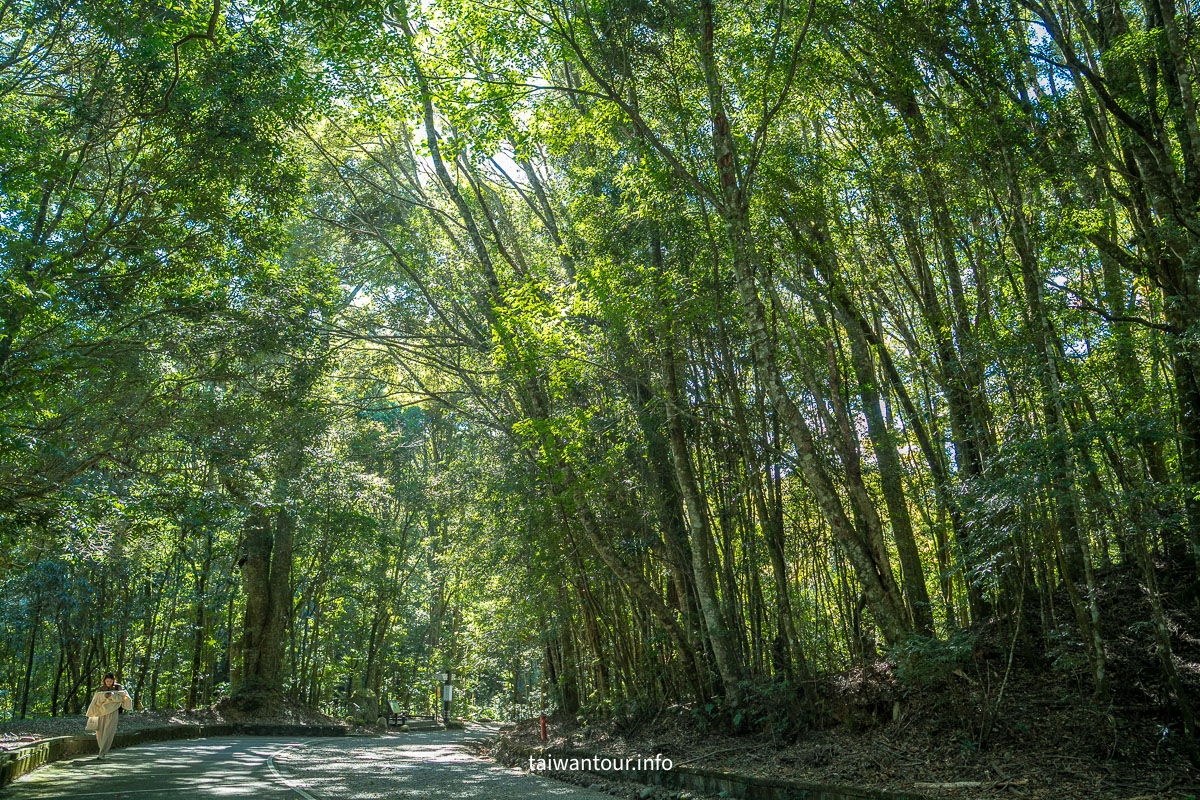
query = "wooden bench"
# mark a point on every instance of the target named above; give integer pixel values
(398, 716)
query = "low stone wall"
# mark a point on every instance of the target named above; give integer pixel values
(22, 761)
(709, 781)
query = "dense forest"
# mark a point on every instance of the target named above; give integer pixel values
(614, 355)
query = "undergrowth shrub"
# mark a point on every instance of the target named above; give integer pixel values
(924, 661)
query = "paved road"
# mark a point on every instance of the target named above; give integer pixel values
(412, 766)
(221, 767)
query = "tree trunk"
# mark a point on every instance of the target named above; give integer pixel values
(891, 482)
(266, 581)
(200, 626)
(34, 622)
(734, 205)
(730, 667)
(568, 673)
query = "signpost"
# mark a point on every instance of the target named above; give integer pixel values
(447, 679)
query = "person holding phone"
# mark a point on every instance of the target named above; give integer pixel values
(106, 703)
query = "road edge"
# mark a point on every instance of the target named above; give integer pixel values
(24, 760)
(291, 782)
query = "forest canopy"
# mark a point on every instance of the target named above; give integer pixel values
(612, 355)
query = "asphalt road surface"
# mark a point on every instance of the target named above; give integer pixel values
(413, 766)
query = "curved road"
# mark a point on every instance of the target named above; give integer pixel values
(413, 766)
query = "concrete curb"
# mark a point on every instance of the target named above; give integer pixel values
(22, 761)
(709, 781)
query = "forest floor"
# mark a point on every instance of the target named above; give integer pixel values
(1010, 718)
(1039, 741)
(1043, 753)
(15, 732)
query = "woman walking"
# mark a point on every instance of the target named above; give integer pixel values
(109, 699)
